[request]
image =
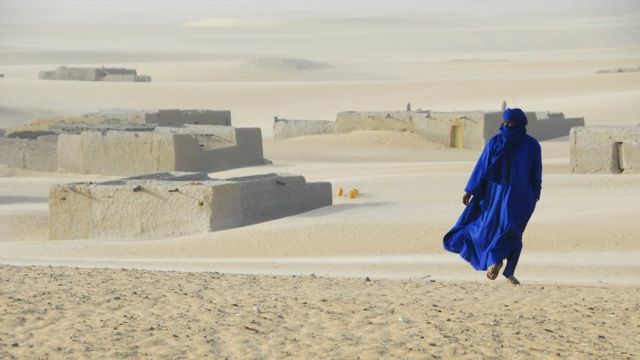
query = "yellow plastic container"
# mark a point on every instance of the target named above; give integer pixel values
(353, 193)
(340, 191)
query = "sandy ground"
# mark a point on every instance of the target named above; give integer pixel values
(51, 312)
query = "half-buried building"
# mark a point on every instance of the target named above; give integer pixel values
(176, 204)
(605, 149)
(458, 129)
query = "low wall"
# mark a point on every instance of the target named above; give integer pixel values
(542, 126)
(546, 129)
(67, 73)
(348, 121)
(467, 129)
(170, 205)
(39, 154)
(193, 148)
(605, 149)
(437, 127)
(286, 129)
(116, 152)
(92, 74)
(217, 148)
(174, 117)
(119, 77)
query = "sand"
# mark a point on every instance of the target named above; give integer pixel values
(52, 312)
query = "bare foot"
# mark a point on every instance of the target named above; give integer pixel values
(511, 280)
(494, 270)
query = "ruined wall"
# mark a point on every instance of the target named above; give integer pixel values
(174, 117)
(169, 205)
(605, 149)
(348, 121)
(84, 211)
(70, 73)
(193, 148)
(217, 148)
(546, 129)
(117, 71)
(437, 127)
(92, 74)
(39, 154)
(119, 77)
(272, 196)
(116, 152)
(542, 125)
(286, 129)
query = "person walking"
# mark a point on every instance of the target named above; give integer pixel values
(499, 199)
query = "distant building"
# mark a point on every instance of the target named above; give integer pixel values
(175, 117)
(93, 74)
(113, 147)
(462, 129)
(605, 149)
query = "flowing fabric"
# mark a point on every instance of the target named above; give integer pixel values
(505, 184)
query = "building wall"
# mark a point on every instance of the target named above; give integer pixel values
(546, 129)
(149, 209)
(603, 149)
(39, 154)
(116, 153)
(108, 212)
(286, 129)
(194, 148)
(477, 126)
(118, 77)
(117, 71)
(268, 197)
(92, 74)
(348, 121)
(176, 117)
(217, 148)
(70, 73)
(542, 126)
(437, 127)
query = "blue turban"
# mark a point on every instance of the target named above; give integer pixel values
(516, 115)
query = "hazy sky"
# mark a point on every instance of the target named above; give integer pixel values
(371, 27)
(178, 12)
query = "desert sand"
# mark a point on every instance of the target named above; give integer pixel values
(52, 312)
(295, 287)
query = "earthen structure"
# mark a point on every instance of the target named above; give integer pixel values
(463, 129)
(93, 74)
(176, 118)
(175, 204)
(605, 149)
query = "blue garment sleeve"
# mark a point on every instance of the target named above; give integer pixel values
(536, 172)
(477, 184)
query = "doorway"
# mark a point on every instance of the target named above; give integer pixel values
(455, 137)
(618, 158)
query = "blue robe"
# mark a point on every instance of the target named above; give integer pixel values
(505, 189)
